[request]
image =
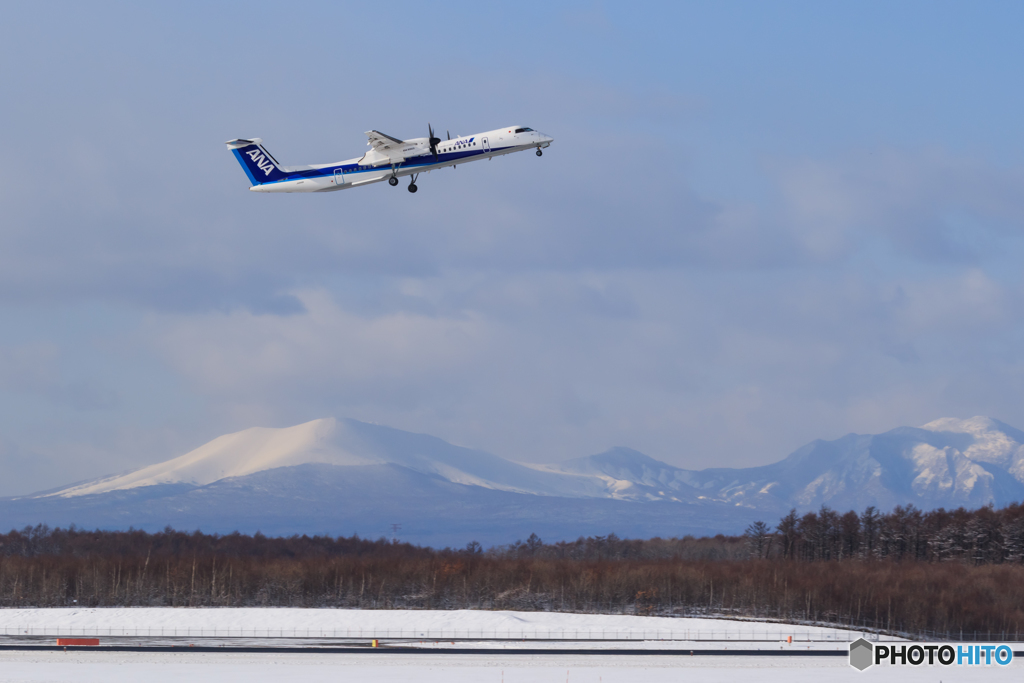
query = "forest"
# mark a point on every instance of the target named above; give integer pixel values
(952, 574)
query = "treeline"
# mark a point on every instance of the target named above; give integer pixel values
(45, 567)
(982, 536)
(43, 541)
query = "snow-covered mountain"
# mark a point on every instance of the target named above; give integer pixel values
(945, 463)
(340, 443)
(341, 476)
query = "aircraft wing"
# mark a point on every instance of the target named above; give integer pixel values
(385, 144)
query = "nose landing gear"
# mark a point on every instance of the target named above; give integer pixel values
(539, 153)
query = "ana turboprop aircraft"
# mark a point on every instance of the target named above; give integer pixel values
(388, 159)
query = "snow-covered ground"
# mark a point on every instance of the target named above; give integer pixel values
(283, 623)
(101, 667)
(285, 626)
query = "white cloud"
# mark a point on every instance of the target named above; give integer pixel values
(928, 204)
(693, 369)
(324, 346)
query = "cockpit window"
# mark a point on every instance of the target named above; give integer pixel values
(524, 130)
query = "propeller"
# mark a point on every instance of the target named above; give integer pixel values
(433, 141)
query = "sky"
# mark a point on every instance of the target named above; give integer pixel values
(759, 224)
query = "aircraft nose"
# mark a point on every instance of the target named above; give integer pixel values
(547, 139)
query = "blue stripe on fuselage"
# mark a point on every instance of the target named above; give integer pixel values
(356, 169)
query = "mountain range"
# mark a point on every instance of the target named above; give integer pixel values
(342, 476)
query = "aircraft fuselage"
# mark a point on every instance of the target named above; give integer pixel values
(412, 157)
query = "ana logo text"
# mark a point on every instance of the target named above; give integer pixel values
(261, 160)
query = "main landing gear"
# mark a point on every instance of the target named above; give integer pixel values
(539, 153)
(393, 181)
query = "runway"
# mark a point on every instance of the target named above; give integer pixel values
(454, 667)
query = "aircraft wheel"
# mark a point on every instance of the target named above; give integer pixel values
(413, 188)
(392, 181)
(540, 153)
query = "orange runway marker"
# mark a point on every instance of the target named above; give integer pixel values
(77, 641)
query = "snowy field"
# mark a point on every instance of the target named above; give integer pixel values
(284, 627)
(281, 624)
(97, 667)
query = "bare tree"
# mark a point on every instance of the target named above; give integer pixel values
(757, 535)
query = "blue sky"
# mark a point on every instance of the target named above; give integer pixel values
(759, 224)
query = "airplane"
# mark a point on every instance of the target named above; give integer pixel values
(388, 159)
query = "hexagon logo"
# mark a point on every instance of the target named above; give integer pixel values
(862, 654)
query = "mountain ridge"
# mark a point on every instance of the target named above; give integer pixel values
(331, 441)
(338, 472)
(949, 461)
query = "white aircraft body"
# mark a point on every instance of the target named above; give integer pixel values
(388, 159)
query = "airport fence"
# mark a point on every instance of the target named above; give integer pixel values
(569, 635)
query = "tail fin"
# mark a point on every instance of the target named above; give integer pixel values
(256, 161)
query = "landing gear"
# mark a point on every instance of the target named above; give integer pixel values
(412, 187)
(412, 182)
(392, 181)
(539, 153)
